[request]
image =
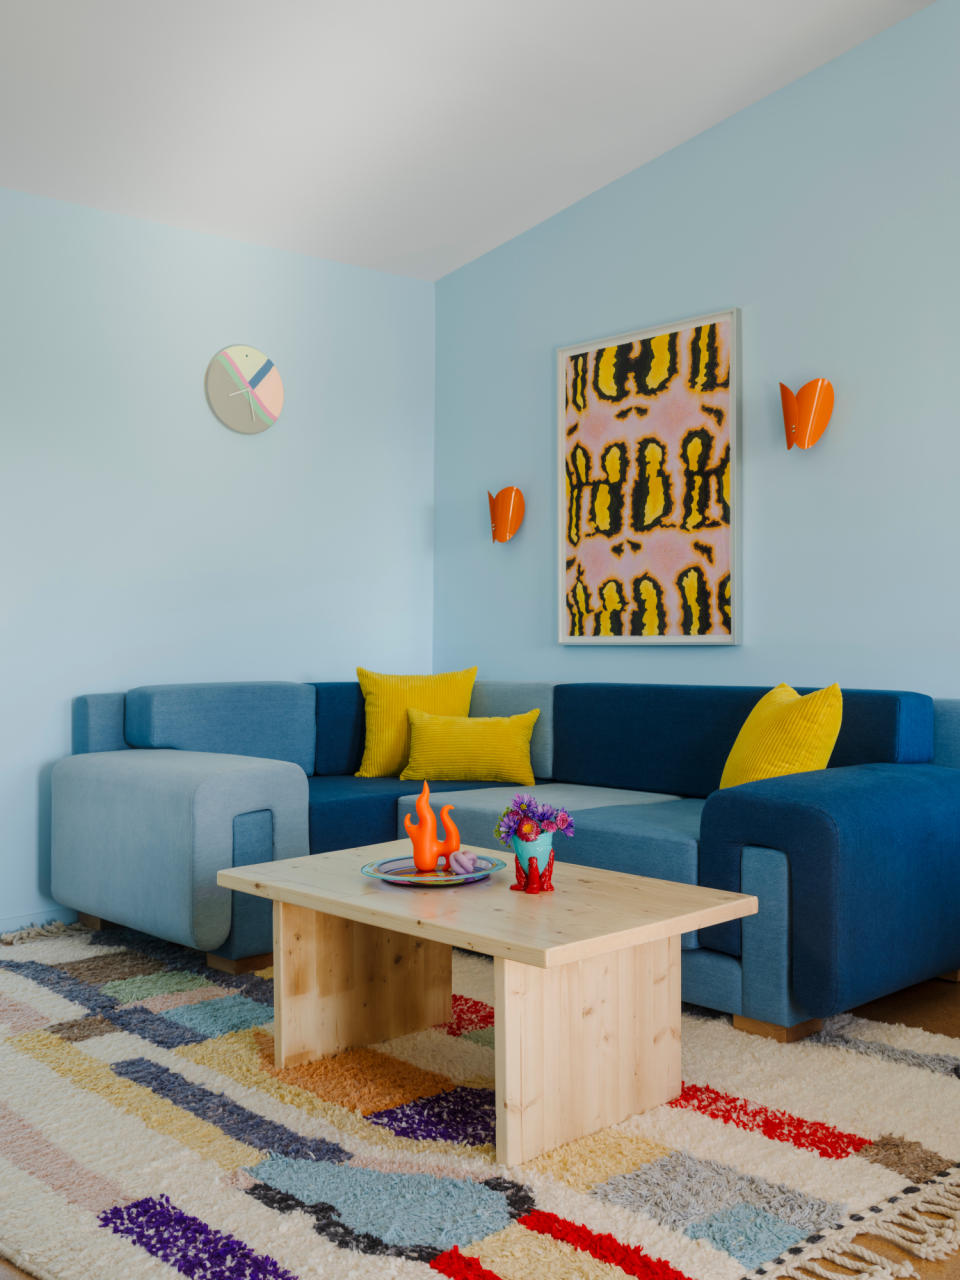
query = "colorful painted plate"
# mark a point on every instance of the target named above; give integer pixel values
(403, 871)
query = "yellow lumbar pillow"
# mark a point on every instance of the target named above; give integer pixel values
(471, 748)
(387, 699)
(785, 733)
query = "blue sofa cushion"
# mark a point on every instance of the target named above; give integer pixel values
(874, 854)
(675, 738)
(275, 720)
(340, 727)
(346, 812)
(659, 840)
(476, 815)
(97, 722)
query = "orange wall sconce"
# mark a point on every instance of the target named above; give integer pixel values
(806, 415)
(506, 513)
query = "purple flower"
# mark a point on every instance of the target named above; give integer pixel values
(526, 808)
(507, 825)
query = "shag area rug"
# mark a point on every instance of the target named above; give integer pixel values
(145, 1133)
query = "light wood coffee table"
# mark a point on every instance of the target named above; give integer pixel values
(587, 978)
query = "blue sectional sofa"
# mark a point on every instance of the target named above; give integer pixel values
(856, 867)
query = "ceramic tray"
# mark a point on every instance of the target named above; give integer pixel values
(402, 871)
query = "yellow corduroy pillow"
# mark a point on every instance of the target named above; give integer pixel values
(387, 699)
(785, 733)
(471, 748)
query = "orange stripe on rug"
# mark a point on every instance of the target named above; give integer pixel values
(781, 1126)
(360, 1079)
(23, 1144)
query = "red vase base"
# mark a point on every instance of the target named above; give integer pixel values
(531, 880)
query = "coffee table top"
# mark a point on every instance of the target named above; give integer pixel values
(591, 912)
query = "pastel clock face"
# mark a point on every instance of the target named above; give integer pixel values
(244, 389)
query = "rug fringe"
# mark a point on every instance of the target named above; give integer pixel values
(926, 1226)
(915, 1230)
(32, 931)
(855, 1259)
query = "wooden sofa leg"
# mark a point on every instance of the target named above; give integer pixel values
(773, 1031)
(245, 965)
(91, 922)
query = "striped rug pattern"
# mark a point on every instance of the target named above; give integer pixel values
(145, 1133)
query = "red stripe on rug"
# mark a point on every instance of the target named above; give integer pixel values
(460, 1266)
(605, 1248)
(467, 1015)
(781, 1126)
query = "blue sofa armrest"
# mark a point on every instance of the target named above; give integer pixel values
(874, 858)
(139, 836)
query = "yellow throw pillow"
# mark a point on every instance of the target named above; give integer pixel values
(471, 748)
(387, 699)
(785, 733)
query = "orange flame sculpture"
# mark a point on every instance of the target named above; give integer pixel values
(427, 849)
(506, 513)
(806, 414)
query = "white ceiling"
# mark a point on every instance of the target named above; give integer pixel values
(406, 135)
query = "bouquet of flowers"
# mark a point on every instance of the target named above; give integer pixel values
(526, 818)
(530, 827)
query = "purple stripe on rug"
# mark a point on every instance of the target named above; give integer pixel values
(461, 1115)
(187, 1244)
(229, 1116)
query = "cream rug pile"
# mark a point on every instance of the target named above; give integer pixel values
(144, 1133)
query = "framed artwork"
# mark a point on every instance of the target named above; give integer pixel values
(648, 486)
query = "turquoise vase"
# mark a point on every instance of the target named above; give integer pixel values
(539, 849)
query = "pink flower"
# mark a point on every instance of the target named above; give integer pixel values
(527, 829)
(563, 820)
(549, 825)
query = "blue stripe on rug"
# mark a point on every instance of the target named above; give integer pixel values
(213, 1018)
(187, 1244)
(154, 1027)
(228, 1116)
(64, 984)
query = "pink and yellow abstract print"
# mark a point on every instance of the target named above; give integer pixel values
(648, 435)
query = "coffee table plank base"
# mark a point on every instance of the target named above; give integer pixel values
(341, 985)
(584, 1045)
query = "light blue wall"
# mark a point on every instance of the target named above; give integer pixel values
(142, 541)
(829, 214)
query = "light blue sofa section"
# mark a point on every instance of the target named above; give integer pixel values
(139, 836)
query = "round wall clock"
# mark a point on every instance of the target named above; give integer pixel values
(244, 389)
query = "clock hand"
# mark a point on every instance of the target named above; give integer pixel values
(245, 390)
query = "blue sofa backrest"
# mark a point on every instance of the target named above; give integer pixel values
(275, 720)
(340, 727)
(675, 738)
